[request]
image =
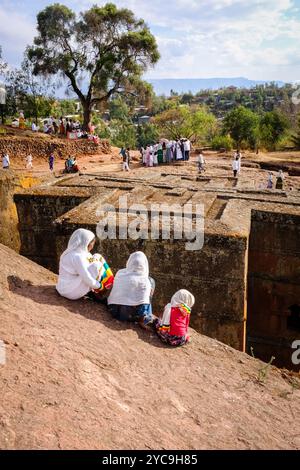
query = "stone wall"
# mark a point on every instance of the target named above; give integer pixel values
(215, 275)
(20, 147)
(274, 285)
(36, 214)
(10, 183)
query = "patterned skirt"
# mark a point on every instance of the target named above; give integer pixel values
(167, 338)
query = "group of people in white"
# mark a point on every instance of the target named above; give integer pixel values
(166, 151)
(279, 180)
(63, 126)
(128, 295)
(153, 155)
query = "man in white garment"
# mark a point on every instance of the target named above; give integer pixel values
(28, 160)
(236, 164)
(187, 149)
(5, 162)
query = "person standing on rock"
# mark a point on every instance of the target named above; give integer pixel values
(279, 180)
(236, 164)
(62, 129)
(5, 161)
(201, 162)
(172, 328)
(126, 160)
(132, 291)
(28, 161)
(187, 149)
(51, 162)
(80, 272)
(123, 155)
(270, 180)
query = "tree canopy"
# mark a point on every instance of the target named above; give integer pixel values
(101, 53)
(196, 123)
(272, 126)
(242, 126)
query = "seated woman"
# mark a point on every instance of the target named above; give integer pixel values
(130, 297)
(172, 328)
(75, 167)
(80, 272)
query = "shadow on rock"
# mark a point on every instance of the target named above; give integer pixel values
(87, 308)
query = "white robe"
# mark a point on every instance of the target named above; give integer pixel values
(78, 269)
(132, 285)
(236, 165)
(5, 161)
(179, 155)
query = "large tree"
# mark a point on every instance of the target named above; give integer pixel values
(28, 93)
(242, 126)
(101, 53)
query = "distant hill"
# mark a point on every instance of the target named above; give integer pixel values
(183, 85)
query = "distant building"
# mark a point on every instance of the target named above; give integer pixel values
(143, 119)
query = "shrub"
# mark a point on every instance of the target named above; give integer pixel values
(222, 142)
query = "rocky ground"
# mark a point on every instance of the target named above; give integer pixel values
(75, 379)
(18, 143)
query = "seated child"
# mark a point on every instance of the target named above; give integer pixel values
(130, 297)
(172, 328)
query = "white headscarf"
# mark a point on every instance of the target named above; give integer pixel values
(280, 174)
(132, 286)
(182, 296)
(79, 241)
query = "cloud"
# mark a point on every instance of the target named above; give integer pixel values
(16, 31)
(197, 38)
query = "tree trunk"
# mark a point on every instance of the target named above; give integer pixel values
(86, 116)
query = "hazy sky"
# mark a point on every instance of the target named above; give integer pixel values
(257, 39)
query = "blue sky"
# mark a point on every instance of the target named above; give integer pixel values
(257, 39)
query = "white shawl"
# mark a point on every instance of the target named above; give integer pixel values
(76, 278)
(132, 285)
(182, 296)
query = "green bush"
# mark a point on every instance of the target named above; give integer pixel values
(222, 142)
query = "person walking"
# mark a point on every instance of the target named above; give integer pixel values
(51, 162)
(201, 162)
(270, 180)
(28, 161)
(126, 160)
(5, 161)
(236, 164)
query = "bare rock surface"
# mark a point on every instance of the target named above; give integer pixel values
(76, 379)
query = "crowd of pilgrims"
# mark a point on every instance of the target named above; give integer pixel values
(166, 152)
(62, 126)
(128, 295)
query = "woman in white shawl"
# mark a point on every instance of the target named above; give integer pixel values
(80, 272)
(179, 154)
(130, 297)
(172, 328)
(279, 180)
